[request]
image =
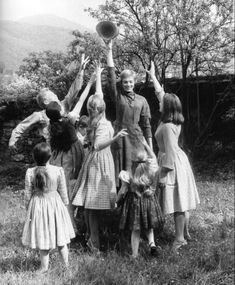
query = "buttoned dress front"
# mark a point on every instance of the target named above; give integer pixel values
(95, 186)
(180, 193)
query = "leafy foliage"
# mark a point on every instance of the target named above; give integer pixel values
(195, 35)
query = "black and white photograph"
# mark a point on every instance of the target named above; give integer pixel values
(117, 142)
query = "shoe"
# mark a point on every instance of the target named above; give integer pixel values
(178, 244)
(154, 250)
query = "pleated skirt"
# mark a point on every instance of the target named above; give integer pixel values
(48, 224)
(141, 213)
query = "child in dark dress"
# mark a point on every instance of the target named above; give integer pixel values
(141, 210)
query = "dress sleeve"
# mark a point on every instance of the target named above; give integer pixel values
(112, 83)
(169, 139)
(23, 126)
(103, 133)
(28, 185)
(145, 126)
(62, 188)
(144, 121)
(70, 98)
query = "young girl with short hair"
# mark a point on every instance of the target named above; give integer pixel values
(48, 224)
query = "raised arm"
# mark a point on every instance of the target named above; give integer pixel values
(112, 81)
(77, 108)
(76, 85)
(158, 88)
(22, 127)
(98, 90)
(148, 149)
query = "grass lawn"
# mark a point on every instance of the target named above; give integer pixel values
(208, 259)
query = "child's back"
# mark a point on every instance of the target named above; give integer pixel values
(47, 224)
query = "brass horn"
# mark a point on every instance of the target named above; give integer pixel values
(107, 30)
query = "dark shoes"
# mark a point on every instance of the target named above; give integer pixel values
(154, 250)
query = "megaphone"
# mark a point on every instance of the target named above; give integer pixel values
(107, 30)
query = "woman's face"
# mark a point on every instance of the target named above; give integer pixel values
(128, 83)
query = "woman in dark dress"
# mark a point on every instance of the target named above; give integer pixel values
(132, 114)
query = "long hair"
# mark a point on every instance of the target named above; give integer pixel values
(143, 174)
(95, 103)
(172, 109)
(62, 132)
(41, 155)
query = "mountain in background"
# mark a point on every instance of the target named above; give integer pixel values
(53, 21)
(34, 34)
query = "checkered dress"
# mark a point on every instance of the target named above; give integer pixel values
(95, 186)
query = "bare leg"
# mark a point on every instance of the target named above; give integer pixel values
(150, 236)
(44, 257)
(179, 218)
(86, 216)
(94, 228)
(135, 241)
(63, 250)
(186, 227)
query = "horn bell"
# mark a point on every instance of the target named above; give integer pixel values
(107, 30)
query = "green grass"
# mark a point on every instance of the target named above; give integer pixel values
(209, 259)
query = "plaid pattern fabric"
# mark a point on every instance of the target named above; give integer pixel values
(96, 186)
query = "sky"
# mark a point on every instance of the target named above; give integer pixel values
(72, 10)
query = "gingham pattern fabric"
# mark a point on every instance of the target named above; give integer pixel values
(96, 186)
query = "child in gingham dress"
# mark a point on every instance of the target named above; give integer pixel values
(48, 224)
(95, 188)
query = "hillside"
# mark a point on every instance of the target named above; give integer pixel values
(19, 38)
(53, 21)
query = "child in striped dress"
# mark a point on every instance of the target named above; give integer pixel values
(48, 224)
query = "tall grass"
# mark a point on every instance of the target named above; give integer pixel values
(208, 259)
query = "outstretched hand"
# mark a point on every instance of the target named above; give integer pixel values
(122, 133)
(99, 68)
(151, 71)
(84, 61)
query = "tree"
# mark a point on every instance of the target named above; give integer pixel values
(144, 33)
(193, 35)
(201, 33)
(48, 69)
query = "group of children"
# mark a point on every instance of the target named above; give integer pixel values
(87, 171)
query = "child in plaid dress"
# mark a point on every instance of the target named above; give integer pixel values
(47, 223)
(95, 188)
(141, 210)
